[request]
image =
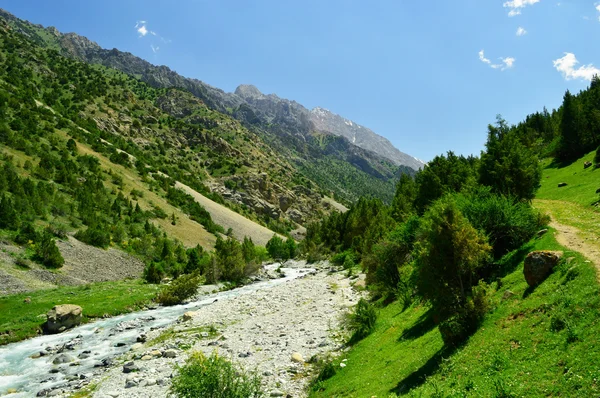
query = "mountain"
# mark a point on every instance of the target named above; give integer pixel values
(297, 117)
(322, 151)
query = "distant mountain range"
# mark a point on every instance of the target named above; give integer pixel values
(338, 154)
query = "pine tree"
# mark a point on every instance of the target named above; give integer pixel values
(572, 128)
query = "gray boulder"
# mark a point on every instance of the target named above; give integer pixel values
(63, 317)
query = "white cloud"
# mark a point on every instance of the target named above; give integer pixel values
(566, 66)
(506, 63)
(521, 31)
(154, 49)
(483, 59)
(516, 6)
(597, 9)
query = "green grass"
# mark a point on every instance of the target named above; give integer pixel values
(514, 353)
(20, 320)
(581, 183)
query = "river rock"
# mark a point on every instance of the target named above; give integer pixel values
(539, 264)
(130, 367)
(188, 316)
(63, 358)
(137, 347)
(170, 353)
(63, 317)
(297, 357)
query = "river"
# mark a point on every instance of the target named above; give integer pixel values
(102, 340)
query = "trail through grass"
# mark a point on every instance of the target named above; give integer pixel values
(538, 342)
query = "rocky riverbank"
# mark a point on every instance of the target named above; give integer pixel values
(274, 331)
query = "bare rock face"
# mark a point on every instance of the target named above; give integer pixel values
(63, 317)
(539, 264)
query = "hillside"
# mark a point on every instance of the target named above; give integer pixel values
(284, 125)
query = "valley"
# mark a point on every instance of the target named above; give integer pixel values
(161, 237)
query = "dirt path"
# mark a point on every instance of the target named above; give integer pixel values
(571, 237)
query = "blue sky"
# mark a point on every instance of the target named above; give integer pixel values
(413, 71)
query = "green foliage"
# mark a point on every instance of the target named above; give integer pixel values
(389, 266)
(444, 174)
(403, 205)
(282, 250)
(214, 377)
(179, 290)
(362, 321)
(449, 254)
(47, 252)
(95, 235)
(513, 346)
(229, 256)
(507, 223)
(508, 166)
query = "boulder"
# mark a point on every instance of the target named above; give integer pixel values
(63, 317)
(539, 264)
(541, 232)
(587, 164)
(297, 357)
(188, 316)
(170, 353)
(562, 184)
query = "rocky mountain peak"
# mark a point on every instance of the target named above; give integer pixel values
(248, 91)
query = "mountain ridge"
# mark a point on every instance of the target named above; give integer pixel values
(83, 48)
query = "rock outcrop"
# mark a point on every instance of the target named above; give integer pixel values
(539, 264)
(63, 317)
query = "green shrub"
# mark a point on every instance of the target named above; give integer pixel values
(449, 256)
(459, 326)
(214, 377)
(324, 371)
(27, 233)
(94, 235)
(362, 321)
(507, 223)
(154, 272)
(47, 252)
(179, 290)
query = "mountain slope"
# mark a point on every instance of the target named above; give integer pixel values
(298, 118)
(290, 136)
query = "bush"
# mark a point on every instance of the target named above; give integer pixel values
(94, 235)
(47, 252)
(362, 321)
(154, 272)
(179, 290)
(27, 233)
(214, 377)
(449, 256)
(507, 223)
(458, 327)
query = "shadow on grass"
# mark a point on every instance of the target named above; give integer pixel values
(559, 164)
(528, 291)
(419, 376)
(507, 264)
(423, 325)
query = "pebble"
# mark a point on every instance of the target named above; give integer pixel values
(170, 353)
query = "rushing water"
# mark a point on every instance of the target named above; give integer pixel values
(103, 339)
